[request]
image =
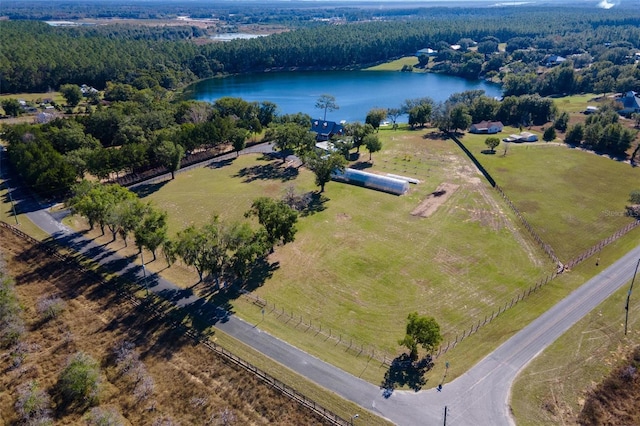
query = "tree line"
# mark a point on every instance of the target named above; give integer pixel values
(36, 57)
(225, 252)
(138, 130)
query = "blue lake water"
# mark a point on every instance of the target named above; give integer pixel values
(356, 92)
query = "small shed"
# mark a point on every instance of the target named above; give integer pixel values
(528, 137)
(522, 137)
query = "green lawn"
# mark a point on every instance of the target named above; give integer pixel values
(395, 65)
(34, 97)
(575, 103)
(572, 198)
(362, 264)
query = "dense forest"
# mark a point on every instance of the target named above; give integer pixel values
(37, 57)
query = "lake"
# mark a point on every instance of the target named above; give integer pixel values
(356, 92)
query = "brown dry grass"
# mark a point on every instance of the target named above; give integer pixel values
(615, 401)
(192, 385)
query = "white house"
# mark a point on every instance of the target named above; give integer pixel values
(489, 127)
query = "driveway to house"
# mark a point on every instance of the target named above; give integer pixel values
(478, 397)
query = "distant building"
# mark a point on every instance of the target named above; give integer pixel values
(325, 147)
(630, 103)
(522, 137)
(43, 117)
(427, 51)
(488, 127)
(554, 60)
(87, 90)
(325, 130)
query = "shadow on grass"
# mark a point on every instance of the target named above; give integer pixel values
(146, 189)
(316, 204)
(436, 136)
(218, 164)
(488, 152)
(270, 171)
(362, 165)
(404, 372)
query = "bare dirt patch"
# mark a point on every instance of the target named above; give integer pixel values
(434, 200)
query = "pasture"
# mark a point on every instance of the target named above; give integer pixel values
(571, 197)
(362, 262)
(395, 65)
(577, 103)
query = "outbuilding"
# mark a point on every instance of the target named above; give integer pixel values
(371, 180)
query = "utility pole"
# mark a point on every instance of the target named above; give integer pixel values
(144, 275)
(626, 308)
(445, 415)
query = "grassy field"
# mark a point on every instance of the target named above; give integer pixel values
(572, 198)
(576, 103)
(363, 263)
(34, 97)
(474, 348)
(395, 65)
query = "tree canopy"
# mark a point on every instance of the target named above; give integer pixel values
(421, 331)
(324, 165)
(277, 218)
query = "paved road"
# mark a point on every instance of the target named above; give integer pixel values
(478, 397)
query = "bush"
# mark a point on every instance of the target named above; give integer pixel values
(130, 366)
(634, 196)
(79, 382)
(49, 307)
(33, 404)
(549, 134)
(18, 354)
(99, 416)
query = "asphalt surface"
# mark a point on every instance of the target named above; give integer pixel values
(479, 397)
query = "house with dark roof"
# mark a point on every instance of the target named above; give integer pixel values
(630, 103)
(325, 130)
(488, 127)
